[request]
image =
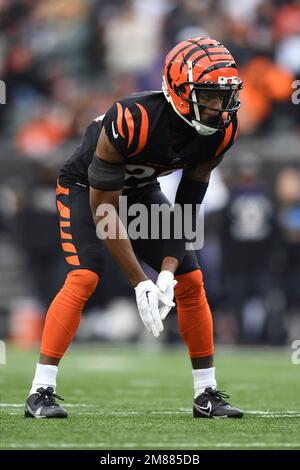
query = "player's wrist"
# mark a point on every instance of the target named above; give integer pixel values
(136, 279)
(166, 274)
(169, 264)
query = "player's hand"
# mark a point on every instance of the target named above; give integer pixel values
(165, 283)
(146, 294)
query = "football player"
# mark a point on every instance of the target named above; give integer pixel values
(190, 124)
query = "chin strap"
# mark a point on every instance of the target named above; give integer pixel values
(202, 129)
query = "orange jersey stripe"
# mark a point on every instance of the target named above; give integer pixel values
(63, 210)
(65, 223)
(143, 130)
(74, 260)
(65, 236)
(130, 125)
(61, 190)
(226, 139)
(120, 120)
(69, 247)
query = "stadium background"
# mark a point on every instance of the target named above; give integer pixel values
(64, 63)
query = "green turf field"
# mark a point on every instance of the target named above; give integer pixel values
(140, 398)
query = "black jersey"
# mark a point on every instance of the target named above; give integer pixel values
(140, 128)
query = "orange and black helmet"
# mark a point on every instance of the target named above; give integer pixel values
(200, 65)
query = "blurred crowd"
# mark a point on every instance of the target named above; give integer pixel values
(64, 63)
(251, 255)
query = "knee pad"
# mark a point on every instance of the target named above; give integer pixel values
(81, 283)
(189, 285)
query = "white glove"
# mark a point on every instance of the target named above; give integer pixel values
(146, 294)
(165, 283)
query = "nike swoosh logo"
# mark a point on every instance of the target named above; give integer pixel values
(205, 410)
(37, 414)
(147, 292)
(113, 131)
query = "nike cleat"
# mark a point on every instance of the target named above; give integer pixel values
(42, 404)
(211, 404)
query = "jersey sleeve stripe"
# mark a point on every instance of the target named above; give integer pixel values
(120, 120)
(130, 125)
(143, 130)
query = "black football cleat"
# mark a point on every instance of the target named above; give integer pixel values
(42, 404)
(211, 404)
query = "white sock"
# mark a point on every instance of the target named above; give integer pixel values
(45, 376)
(204, 378)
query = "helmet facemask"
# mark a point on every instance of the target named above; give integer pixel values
(199, 95)
(226, 91)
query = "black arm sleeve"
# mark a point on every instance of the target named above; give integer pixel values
(188, 192)
(106, 176)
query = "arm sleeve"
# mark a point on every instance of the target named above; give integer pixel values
(106, 176)
(188, 192)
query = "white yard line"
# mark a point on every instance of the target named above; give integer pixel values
(267, 412)
(151, 445)
(21, 405)
(124, 414)
(258, 413)
(89, 413)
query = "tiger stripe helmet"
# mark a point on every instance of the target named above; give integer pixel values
(197, 65)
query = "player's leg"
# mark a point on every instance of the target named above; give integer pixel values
(195, 321)
(194, 317)
(196, 328)
(84, 254)
(192, 305)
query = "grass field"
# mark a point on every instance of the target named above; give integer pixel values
(140, 398)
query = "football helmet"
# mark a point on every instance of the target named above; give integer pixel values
(202, 67)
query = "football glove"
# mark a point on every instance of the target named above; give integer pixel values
(146, 293)
(165, 283)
